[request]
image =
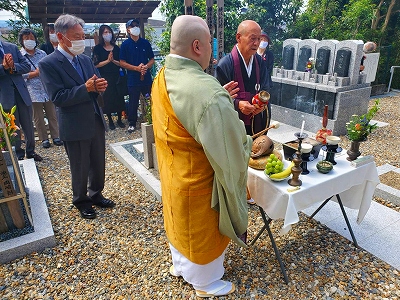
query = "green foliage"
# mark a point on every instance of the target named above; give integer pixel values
(16, 7)
(147, 105)
(359, 127)
(16, 27)
(172, 8)
(150, 34)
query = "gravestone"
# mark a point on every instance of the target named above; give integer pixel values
(304, 56)
(322, 63)
(288, 58)
(325, 45)
(370, 66)
(290, 53)
(354, 49)
(342, 63)
(306, 50)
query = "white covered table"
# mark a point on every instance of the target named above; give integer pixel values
(351, 187)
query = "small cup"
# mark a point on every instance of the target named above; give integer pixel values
(306, 148)
(332, 140)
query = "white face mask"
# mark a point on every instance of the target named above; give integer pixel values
(263, 44)
(107, 37)
(29, 44)
(135, 31)
(77, 46)
(53, 37)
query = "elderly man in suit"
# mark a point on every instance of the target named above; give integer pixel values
(13, 91)
(73, 83)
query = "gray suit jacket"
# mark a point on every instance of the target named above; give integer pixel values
(8, 81)
(68, 92)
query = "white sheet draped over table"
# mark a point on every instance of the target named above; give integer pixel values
(355, 186)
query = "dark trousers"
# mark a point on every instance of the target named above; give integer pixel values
(23, 119)
(87, 164)
(134, 95)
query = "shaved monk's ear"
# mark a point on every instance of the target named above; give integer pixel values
(196, 46)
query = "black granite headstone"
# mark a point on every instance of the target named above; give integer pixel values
(275, 93)
(304, 56)
(288, 95)
(322, 63)
(288, 57)
(323, 98)
(305, 100)
(342, 62)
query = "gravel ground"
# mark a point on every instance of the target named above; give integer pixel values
(124, 254)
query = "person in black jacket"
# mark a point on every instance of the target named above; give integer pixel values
(266, 54)
(51, 39)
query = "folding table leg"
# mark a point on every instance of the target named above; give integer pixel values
(267, 221)
(319, 208)
(343, 213)
(347, 220)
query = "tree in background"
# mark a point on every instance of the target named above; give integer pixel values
(172, 8)
(274, 17)
(16, 7)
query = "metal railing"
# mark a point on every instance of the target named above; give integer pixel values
(391, 76)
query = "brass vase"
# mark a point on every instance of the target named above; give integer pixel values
(354, 150)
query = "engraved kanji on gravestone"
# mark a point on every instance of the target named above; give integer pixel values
(322, 62)
(342, 62)
(288, 57)
(304, 56)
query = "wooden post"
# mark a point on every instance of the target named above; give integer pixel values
(210, 23)
(220, 28)
(9, 191)
(189, 7)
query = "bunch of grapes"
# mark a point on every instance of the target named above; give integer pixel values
(274, 165)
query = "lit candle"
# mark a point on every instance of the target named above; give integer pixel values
(302, 128)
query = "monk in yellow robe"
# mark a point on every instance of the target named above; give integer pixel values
(203, 153)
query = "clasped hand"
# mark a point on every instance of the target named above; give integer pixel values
(8, 62)
(143, 69)
(96, 84)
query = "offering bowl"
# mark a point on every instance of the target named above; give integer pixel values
(324, 166)
(332, 140)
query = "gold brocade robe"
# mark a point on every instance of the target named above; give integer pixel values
(204, 198)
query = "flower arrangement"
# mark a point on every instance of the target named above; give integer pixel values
(310, 64)
(11, 127)
(359, 127)
(147, 105)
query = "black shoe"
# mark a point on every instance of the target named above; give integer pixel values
(111, 126)
(21, 157)
(35, 156)
(58, 142)
(104, 202)
(120, 124)
(88, 213)
(46, 144)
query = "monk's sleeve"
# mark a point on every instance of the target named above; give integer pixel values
(227, 147)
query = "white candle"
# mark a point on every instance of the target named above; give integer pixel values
(302, 128)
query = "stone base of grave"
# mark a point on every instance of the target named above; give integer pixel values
(43, 235)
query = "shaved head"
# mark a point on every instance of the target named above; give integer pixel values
(189, 34)
(248, 36)
(247, 26)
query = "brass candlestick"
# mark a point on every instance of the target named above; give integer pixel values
(296, 169)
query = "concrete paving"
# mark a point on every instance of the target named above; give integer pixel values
(379, 232)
